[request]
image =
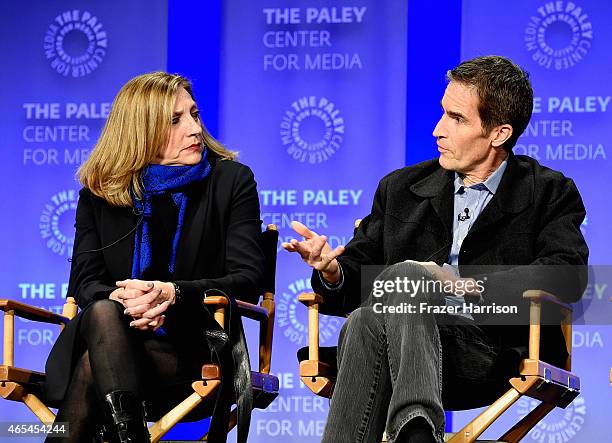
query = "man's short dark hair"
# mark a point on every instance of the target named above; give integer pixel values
(504, 93)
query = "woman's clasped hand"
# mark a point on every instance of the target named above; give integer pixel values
(144, 301)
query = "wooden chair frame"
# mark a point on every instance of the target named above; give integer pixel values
(537, 379)
(21, 385)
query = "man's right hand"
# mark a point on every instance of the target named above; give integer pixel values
(316, 252)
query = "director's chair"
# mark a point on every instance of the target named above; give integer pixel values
(25, 385)
(553, 386)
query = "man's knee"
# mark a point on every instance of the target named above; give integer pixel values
(408, 269)
(406, 282)
(362, 328)
(362, 316)
(362, 319)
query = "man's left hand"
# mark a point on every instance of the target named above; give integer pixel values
(454, 284)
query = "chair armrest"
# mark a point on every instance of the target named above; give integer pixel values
(315, 373)
(309, 368)
(536, 297)
(539, 295)
(248, 310)
(263, 314)
(12, 308)
(252, 311)
(307, 298)
(32, 313)
(312, 300)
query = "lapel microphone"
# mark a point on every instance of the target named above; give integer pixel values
(463, 216)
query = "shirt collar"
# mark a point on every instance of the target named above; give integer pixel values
(491, 183)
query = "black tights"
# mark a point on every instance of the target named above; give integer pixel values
(118, 357)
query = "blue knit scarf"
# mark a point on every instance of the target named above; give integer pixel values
(157, 180)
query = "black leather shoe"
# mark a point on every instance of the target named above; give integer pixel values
(416, 430)
(127, 415)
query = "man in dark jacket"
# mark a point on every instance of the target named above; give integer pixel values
(477, 204)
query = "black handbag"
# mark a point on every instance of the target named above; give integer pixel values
(230, 352)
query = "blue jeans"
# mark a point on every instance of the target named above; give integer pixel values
(390, 367)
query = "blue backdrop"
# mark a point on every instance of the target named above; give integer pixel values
(301, 96)
(63, 62)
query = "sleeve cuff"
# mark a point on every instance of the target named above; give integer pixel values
(332, 287)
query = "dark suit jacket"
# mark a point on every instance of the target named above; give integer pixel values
(533, 219)
(219, 248)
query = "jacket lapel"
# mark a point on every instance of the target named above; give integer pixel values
(192, 231)
(438, 188)
(514, 194)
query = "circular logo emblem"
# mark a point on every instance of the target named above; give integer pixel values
(559, 425)
(559, 35)
(57, 222)
(292, 316)
(75, 43)
(312, 130)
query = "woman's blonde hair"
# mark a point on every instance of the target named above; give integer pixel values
(138, 126)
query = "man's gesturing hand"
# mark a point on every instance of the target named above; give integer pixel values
(316, 252)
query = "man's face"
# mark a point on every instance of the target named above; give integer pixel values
(184, 142)
(463, 147)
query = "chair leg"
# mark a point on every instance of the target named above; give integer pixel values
(16, 392)
(521, 429)
(164, 424)
(43, 413)
(233, 420)
(473, 429)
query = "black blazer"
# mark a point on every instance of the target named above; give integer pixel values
(219, 248)
(533, 219)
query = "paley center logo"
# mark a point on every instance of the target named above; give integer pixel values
(75, 43)
(56, 223)
(292, 316)
(558, 35)
(312, 129)
(560, 425)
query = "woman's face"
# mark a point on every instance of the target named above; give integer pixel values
(184, 143)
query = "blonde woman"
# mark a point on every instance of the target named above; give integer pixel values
(165, 214)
